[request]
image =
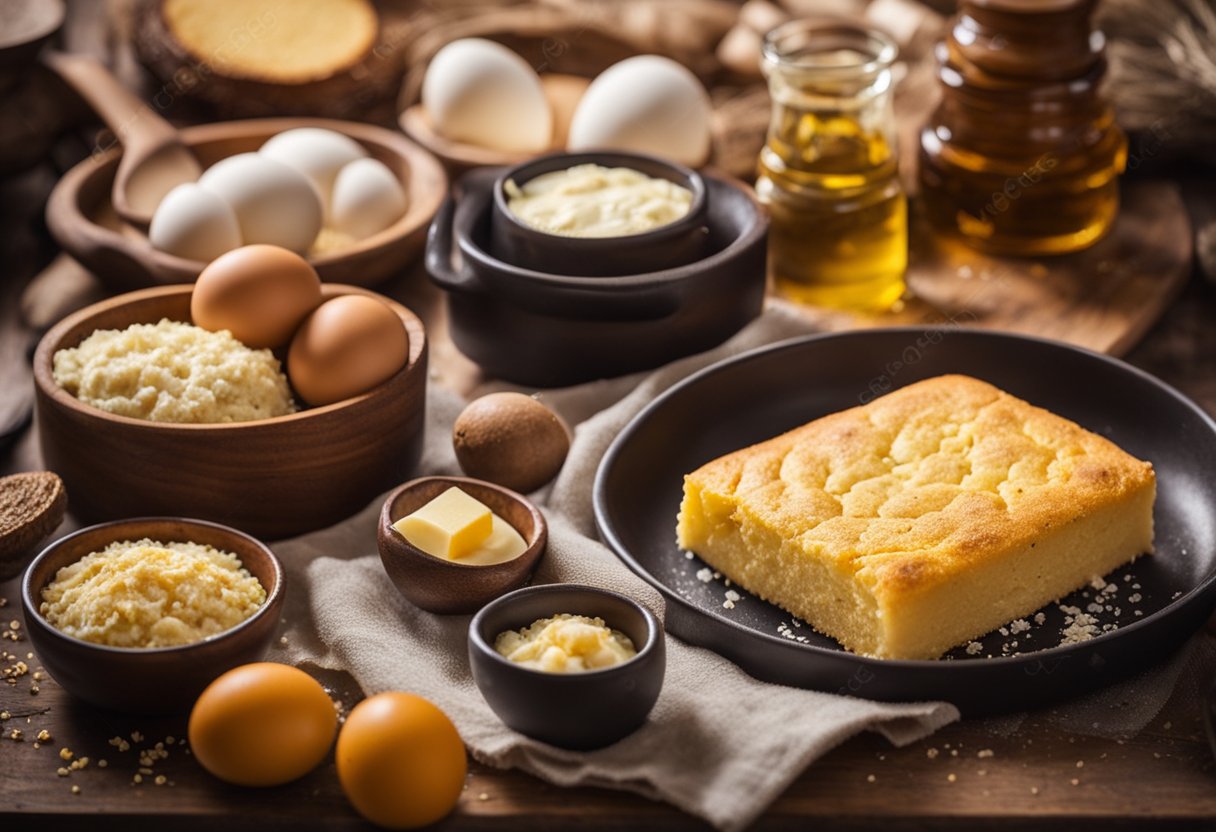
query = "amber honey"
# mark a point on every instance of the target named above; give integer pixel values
(1023, 154)
(829, 172)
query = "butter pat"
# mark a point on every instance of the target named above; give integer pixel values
(566, 644)
(457, 527)
(450, 526)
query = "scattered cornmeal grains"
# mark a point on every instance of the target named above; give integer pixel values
(870, 778)
(951, 777)
(75, 789)
(984, 753)
(1034, 789)
(931, 753)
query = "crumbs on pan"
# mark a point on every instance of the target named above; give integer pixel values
(1102, 612)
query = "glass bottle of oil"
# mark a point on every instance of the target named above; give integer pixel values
(828, 172)
(1022, 156)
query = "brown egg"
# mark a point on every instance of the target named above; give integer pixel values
(347, 346)
(262, 724)
(400, 761)
(258, 293)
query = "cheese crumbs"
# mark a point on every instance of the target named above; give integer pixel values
(566, 644)
(150, 594)
(174, 372)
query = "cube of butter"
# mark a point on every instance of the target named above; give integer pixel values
(450, 526)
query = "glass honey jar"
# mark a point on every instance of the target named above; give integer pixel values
(829, 170)
(1022, 155)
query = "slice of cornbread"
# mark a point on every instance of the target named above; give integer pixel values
(922, 520)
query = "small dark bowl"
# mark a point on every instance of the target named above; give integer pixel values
(579, 711)
(666, 247)
(158, 679)
(544, 329)
(448, 587)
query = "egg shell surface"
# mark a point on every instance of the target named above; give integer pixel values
(273, 203)
(262, 724)
(194, 223)
(400, 761)
(347, 346)
(315, 152)
(647, 104)
(259, 293)
(367, 198)
(479, 92)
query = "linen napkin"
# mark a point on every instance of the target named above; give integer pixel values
(719, 744)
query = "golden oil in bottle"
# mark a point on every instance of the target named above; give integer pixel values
(829, 170)
(1022, 156)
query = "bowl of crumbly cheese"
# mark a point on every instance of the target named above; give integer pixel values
(574, 666)
(140, 615)
(142, 413)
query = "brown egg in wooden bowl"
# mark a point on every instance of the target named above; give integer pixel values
(93, 656)
(274, 477)
(82, 219)
(441, 585)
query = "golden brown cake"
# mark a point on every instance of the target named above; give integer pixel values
(922, 520)
(280, 41)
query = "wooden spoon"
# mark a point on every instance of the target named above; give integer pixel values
(154, 159)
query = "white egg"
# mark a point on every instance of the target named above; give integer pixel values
(367, 198)
(274, 203)
(648, 104)
(194, 223)
(478, 91)
(315, 152)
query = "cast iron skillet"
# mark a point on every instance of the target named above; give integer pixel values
(765, 392)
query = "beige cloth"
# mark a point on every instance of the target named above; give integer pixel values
(719, 744)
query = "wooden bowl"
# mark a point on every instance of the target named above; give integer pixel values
(273, 477)
(563, 93)
(581, 711)
(157, 679)
(441, 586)
(82, 220)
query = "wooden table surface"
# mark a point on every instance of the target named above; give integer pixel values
(1037, 776)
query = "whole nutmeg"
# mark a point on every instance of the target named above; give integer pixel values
(510, 439)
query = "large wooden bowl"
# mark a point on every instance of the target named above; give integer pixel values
(272, 478)
(82, 220)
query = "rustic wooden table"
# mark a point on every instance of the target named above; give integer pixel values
(1033, 776)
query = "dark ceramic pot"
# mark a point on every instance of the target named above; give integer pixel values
(547, 330)
(154, 680)
(675, 244)
(584, 710)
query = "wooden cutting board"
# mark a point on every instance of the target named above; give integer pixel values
(1105, 298)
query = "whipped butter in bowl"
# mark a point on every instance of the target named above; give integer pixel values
(598, 214)
(595, 201)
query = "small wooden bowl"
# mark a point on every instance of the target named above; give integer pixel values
(82, 220)
(447, 587)
(563, 93)
(581, 711)
(273, 477)
(157, 679)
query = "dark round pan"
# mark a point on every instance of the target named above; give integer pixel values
(765, 392)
